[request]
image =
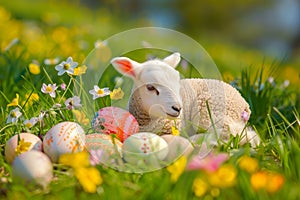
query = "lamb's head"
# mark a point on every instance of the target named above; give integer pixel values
(157, 83)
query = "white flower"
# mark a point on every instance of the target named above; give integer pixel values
(66, 66)
(30, 123)
(14, 115)
(98, 92)
(49, 89)
(73, 102)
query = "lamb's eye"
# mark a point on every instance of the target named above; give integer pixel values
(152, 88)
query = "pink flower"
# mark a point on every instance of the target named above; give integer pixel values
(245, 116)
(63, 86)
(49, 89)
(210, 163)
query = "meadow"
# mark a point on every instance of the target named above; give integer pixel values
(31, 48)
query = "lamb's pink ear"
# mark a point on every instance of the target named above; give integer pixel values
(173, 60)
(125, 66)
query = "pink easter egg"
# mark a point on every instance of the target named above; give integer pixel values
(113, 120)
(65, 137)
(12, 144)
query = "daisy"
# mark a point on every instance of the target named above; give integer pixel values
(66, 66)
(99, 92)
(14, 115)
(73, 102)
(49, 89)
(30, 123)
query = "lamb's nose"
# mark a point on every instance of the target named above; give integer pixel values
(176, 108)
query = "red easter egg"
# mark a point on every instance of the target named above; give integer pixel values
(114, 120)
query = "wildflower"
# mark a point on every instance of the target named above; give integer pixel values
(63, 86)
(271, 80)
(248, 164)
(51, 61)
(285, 83)
(81, 117)
(245, 115)
(22, 147)
(224, 177)
(118, 81)
(31, 98)
(30, 123)
(95, 156)
(49, 89)
(14, 116)
(73, 102)
(14, 102)
(99, 43)
(66, 66)
(175, 131)
(97, 92)
(199, 187)
(34, 68)
(89, 178)
(80, 70)
(117, 94)
(177, 168)
(271, 182)
(75, 160)
(210, 163)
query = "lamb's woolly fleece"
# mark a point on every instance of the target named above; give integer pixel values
(225, 103)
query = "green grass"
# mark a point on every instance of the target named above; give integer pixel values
(275, 116)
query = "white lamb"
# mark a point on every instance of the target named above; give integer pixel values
(160, 100)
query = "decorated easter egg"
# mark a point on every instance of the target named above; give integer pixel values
(109, 147)
(32, 167)
(65, 137)
(144, 148)
(178, 146)
(114, 120)
(27, 142)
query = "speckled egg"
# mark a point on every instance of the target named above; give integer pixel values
(114, 120)
(65, 137)
(12, 143)
(178, 146)
(32, 167)
(144, 147)
(111, 147)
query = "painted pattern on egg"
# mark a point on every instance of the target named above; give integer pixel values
(102, 141)
(114, 120)
(65, 137)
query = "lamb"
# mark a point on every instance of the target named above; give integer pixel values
(160, 100)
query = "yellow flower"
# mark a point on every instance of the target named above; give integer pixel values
(34, 68)
(224, 177)
(117, 94)
(22, 147)
(15, 101)
(270, 182)
(75, 160)
(81, 117)
(89, 178)
(80, 70)
(259, 180)
(175, 131)
(248, 164)
(177, 168)
(199, 187)
(31, 98)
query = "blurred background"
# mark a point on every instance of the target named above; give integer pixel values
(235, 33)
